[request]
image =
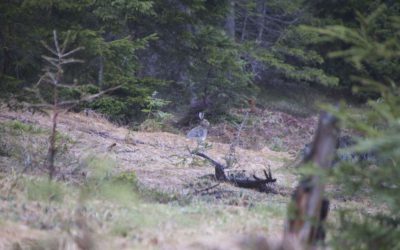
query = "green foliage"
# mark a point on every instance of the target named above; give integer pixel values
(217, 70)
(153, 105)
(17, 128)
(157, 120)
(44, 190)
(291, 59)
(369, 232)
(129, 178)
(184, 52)
(136, 43)
(341, 18)
(195, 56)
(102, 27)
(113, 108)
(103, 184)
(9, 86)
(380, 127)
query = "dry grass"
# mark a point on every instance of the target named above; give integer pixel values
(166, 210)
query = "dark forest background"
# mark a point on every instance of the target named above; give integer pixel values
(200, 55)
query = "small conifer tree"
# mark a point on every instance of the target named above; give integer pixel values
(48, 91)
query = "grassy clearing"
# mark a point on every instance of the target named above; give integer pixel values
(20, 140)
(141, 194)
(21, 145)
(114, 213)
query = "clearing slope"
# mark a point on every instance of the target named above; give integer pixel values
(219, 218)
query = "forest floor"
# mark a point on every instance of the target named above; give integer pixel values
(172, 206)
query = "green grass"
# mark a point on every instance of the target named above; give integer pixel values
(16, 128)
(44, 190)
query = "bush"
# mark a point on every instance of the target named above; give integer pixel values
(44, 190)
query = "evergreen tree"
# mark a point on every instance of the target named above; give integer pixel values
(334, 12)
(370, 49)
(276, 47)
(102, 27)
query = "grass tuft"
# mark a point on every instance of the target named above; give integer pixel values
(44, 190)
(16, 128)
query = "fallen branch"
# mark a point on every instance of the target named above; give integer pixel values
(253, 182)
(219, 168)
(207, 188)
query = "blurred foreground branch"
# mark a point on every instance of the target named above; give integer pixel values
(309, 208)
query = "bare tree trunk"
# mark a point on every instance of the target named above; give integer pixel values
(261, 18)
(6, 60)
(52, 147)
(183, 75)
(101, 71)
(230, 20)
(243, 35)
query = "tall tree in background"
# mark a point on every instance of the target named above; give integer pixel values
(197, 54)
(212, 53)
(333, 12)
(276, 49)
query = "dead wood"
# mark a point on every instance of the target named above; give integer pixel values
(253, 182)
(309, 207)
(207, 188)
(231, 156)
(219, 168)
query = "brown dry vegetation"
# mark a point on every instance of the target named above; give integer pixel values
(167, 210)
(278, 130)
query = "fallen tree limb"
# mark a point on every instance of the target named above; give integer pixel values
(219, 168)
(207, 188)
(253, 182)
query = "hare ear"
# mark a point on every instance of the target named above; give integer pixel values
(201, 115)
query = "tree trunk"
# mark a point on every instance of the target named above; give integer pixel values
(101, 71)
(261, 10)
(243, 35)
(309, 207)
(230, 19)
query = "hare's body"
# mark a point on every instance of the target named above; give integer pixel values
(199, 132)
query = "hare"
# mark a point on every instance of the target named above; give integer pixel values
(199, 132)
